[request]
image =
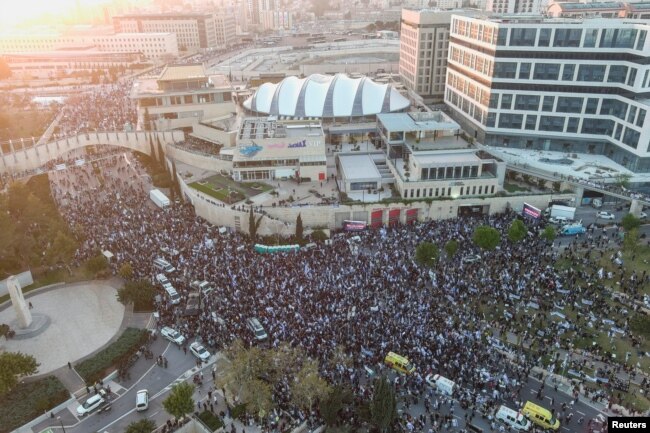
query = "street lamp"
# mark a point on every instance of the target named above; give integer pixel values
(61, 421)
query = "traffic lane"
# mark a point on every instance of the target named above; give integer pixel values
(155, 379)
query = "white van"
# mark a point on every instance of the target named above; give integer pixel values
(162, 279)
(142, 400)
(163, 265)
(174, 297)
(441, 383)
(512, 418)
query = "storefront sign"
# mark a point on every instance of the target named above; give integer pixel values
(302, 143)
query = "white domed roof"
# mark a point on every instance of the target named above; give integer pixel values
(326, 96)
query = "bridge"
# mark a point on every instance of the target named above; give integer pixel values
(27, 154)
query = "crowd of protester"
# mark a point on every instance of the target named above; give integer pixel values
(366, 296)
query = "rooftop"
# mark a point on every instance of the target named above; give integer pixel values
(145, 87)
(182, 72)
(358, 167)
(445, 159)
(265, 128)
(585, 6)
(417, 121)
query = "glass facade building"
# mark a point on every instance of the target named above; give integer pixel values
(553, 84)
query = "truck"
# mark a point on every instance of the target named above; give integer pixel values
(573, 230)
(159, 198)
(192, 305)
(560, 211)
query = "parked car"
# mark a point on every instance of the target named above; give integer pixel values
(605, 215)
(256, 328)
(91, 404)
(199, 351)
(172, 335)
(474, 258)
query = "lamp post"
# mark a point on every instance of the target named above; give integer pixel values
(61, 421)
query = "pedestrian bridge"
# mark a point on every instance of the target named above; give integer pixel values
(23, 155)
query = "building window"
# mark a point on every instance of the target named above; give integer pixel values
(506, 101)
(544, 37)
(521, 37)
(524, 71)
(591, 36)
(527, 102)
(547, 104)
(511, 121)
(595, 73)
(617, 38)
(572, 124)
(551, 123)
(531, 122)
(567, 104)
(568, 72)
(567, 37)
(505, 70)
(546, 71)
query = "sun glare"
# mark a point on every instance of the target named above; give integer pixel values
(13, 13)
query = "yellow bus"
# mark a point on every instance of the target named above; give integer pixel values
(540, 416)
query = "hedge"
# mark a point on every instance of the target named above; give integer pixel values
(27, 401)
(93, 369)
(211, 420)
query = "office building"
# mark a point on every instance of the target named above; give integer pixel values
(553, 84)
(268, 148)
(151, 45)
(194, 31)
(225, 30)
(587, 10)
(424, 41)
(181, 96)
(514, 6)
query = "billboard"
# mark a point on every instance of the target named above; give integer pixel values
(531, 211)
(354, 226)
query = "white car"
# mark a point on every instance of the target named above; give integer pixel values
(474, 258)
(142, 400)
(643, 215)
(605, 215)
(172, 335)
(90, 405)
(199, 351)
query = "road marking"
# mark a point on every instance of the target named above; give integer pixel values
(564, 428)
(583, 414)
(550, 398)
(153, 414)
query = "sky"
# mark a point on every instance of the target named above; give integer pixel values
(16, 11)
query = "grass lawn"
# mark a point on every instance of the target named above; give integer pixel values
(22, 124)
(28, 400)
(511, 187)
(229, 191)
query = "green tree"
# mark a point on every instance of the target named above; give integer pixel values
(240, 367)
(631, 241)
(319, 236)
(97, 264)
(253, 225)
(549, 233)
(142, 426)
(630, 222)
(61, 248)
(126, 271)
(309, 387)
(141, 293)
(5, 70)
(517, 231)
(161, 154)
(451, 247)
(258, 397)
(13, 366)
(623, 180)
(383, 405)
(526, 178)
(556, 186)
(427, 254)
(299, 230)
(486, 237)
(541, 183)
(151, 148)
(333, 403)
(146, 119)
(180, 402)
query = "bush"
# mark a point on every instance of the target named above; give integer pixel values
(239, 411)
(26, 401)
(93, 369)
(211, 420)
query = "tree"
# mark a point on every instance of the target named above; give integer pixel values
(541, 183)
(451, 247)
(14, 365)
(517, 231)
(240, 367)
(258, 397)
(146, 119)
(161, 154)
(630, 222)
(253, 225)
(426, 254)
(141, 293)
(151, 149)
(97, 264)
(331, 406)
(5, 70)
(61, 248)
(486, 237)
(383, 405)
(126, 271)
(142, 426)
(309, 387)
(556, 186)
(299, 229)
(180, 402)
(631, 240)
(526, 178)
(319, 236)
(623, 180)
(549, 234)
